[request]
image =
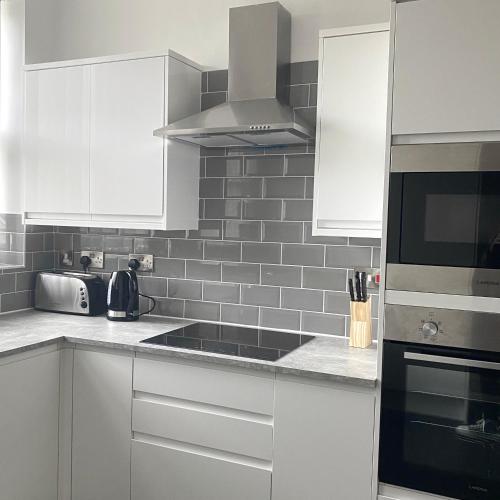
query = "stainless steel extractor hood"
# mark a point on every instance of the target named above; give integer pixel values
(257, 113)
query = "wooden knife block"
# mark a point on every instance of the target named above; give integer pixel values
(360, 334)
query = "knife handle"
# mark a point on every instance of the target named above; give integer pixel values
(364, 294)
(351, 290)
(358, 286)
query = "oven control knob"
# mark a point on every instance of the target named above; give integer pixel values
(430, 329)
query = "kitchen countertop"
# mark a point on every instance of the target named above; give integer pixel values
(322, 358)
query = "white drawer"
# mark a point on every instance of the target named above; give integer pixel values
(246, 390)
(164, 472)
(234, 432)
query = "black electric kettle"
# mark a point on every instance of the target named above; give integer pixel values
(123, 294)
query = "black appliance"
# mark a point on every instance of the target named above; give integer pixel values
(238, 341)
(444, 219)
(123, 295)
(440, 409)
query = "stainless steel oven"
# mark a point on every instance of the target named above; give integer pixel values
(440, 417)
(444, 219)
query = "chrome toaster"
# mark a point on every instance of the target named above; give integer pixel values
(71, 293)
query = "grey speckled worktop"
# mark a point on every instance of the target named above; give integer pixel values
(322, 358)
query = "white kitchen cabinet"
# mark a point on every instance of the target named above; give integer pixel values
(201, 431)
(102, 406)
(323, 442)
(97, 163)
(29, 392)
(446, 68)
(57, 140)
(351, 131)
(127, 103)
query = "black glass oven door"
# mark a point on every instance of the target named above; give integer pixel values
(440, 425)
(445, 219)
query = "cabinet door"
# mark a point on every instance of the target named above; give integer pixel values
(126, 160)
(351, 135)
(57, 140)
(29, 391)
(175, 471)
(447, 69)
(102, 402)
(323, 442)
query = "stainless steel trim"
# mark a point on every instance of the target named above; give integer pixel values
(444, 360)
(461, 329)
(477, 282)
(120, 314)
(454, 157)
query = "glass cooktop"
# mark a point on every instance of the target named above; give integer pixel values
(251, 343)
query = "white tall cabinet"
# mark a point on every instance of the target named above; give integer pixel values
(446, 67)
(29, 392)
(351, 131)
(91, 158)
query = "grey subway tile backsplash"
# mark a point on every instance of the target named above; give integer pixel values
(203, 270)
(290, 276)
(304, 72)
(242, 230)
(253, 259)
(221, 166)
(221, 292)
(304, 255)
(186, 249)
(298, 210)
(212, 99)
(269, 253)
(222, 209)
(184, 289)
(257, 295)
(284, 187)
(324, 279)
(286, 232)
(242, 315)
(240, 272)
(323, 323)
(262, 209)
(348, 257)
(235, 187)
(280, 318)
(300, 298)
(264, 166)
(223, 250)
(300, 165)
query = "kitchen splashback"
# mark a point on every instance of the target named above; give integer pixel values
(253, 260)
(21, 255)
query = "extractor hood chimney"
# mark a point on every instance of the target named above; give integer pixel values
(257, 113)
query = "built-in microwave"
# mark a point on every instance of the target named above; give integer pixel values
(443, 233)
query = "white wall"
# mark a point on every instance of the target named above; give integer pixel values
(11, 105)
(198, 29)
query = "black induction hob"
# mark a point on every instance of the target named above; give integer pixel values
(251, 343)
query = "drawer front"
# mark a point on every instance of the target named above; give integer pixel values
(245, 390)
(164, 472)
(234, 432)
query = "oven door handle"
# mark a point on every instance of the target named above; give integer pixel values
(445, 360)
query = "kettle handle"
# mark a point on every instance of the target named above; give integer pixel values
(132, 292)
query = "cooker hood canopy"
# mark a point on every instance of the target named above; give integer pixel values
(259, 67)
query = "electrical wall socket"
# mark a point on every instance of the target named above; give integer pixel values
(96, 258)
(145, 260)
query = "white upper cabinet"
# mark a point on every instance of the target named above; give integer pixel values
(447, 67)
(127, 104)
(57, 140)
(351, 131)
(91, 157)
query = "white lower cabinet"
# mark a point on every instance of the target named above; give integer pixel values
(102, 405)
(29, 393)
(323, 441)
(201, 432)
